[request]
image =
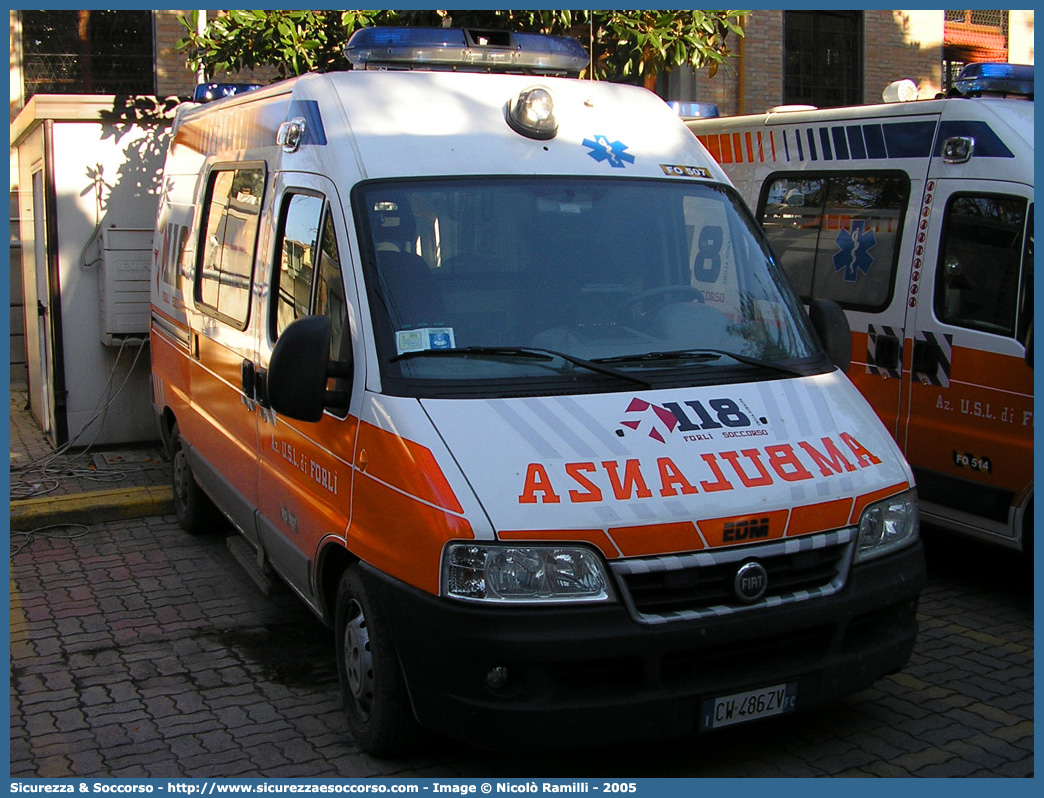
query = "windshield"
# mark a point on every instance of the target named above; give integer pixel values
(516, 284)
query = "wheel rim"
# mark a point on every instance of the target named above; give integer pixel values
(358, 659)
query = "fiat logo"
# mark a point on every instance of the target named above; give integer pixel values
(751, 582)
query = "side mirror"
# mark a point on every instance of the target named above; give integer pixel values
(831, 325)
(299, 368)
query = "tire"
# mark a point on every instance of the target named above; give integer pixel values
(376, 701)
(196, 513)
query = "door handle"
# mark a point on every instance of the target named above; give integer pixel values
(887, 351)
(249, 379)
(254, 384)
(248, 375)
(925, 357)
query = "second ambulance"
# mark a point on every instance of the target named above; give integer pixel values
(441, 344)
(917, 218)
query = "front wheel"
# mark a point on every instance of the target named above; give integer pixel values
(375, 697)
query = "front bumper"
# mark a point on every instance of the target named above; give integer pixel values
(591, 673)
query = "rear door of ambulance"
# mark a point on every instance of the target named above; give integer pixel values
(222, 427)
(968, 399)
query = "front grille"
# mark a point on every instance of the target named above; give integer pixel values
(700, 585)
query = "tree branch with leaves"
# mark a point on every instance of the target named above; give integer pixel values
(624, 45)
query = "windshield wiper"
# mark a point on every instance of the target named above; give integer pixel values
(530, 352)
(506, 351)
(702, 354)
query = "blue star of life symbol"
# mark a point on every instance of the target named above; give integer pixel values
(854, 247)
(613, 152)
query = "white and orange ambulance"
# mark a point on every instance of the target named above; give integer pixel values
(917, 217)
(442, 344)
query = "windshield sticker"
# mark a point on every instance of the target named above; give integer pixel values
(677, 170)
(424, 338)
(612, 151)
(853, 250)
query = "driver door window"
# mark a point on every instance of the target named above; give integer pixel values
(980, 276)
(308, 280)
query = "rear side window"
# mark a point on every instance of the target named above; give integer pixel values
(837, 236)
(232, 210)
(986, 265)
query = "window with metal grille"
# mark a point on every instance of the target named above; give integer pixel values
(87, 52)
(971, 36)
(822, 57)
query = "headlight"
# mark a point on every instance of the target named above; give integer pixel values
(500, 573)
(888, 525)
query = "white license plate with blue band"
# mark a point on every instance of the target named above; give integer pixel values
(765, 702)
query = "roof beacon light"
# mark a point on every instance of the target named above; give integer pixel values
(694, 110)
(993, 79)
(466, 50)
(207, 92)
(900, 91)
(532, 113)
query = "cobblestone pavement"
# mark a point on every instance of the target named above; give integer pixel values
(138, 651)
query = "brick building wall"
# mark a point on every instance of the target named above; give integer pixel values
(902, 45)
(173, 77)
(762, 76)
(896, 45)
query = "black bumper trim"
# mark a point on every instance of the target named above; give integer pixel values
(592, 674)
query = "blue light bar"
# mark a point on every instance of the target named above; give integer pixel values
(206, 92)
(465, 50)
(995, 78)
(690, 110)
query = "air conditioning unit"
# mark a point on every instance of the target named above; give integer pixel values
(126, 267)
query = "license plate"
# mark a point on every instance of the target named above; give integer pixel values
(729, 710)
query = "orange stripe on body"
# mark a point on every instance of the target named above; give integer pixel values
(712, 145)
(821, 517)
(725, 140)
(405, 465)
(170, 364)
(399, 535)
(979, 367)
(639, 541)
